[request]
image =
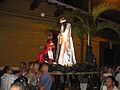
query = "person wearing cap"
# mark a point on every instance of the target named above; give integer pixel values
(65, 49)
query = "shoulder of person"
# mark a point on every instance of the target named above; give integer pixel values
(115, 88)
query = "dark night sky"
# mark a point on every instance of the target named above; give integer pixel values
(83, 4)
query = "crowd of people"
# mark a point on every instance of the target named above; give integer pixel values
(36, 76)
(110, 78)
(33, 77)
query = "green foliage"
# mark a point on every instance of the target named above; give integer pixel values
(97, 10)
(90, 24)
(111, 25)
(78, 32)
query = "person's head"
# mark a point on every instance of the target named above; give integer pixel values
(31, 65)
(63, 21)
(22, 66)
(7, 69)
(105, 69)
(17, 86)
(110, 69)
(23, 80)
(37, 66)
(50, 35)
(44, 68)
(110, 81)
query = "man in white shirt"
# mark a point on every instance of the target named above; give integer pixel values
(7, 78)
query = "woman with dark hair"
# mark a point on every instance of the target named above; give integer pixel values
(110, 83)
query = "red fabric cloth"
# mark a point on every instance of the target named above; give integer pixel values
(40, 58)
(44, 51)
(50, 59)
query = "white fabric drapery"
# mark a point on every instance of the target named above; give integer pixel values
(66, 54)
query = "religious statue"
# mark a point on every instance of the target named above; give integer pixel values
(65, 55)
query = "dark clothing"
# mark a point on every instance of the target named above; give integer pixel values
(46, 81)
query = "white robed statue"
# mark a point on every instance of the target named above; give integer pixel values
(65, 49)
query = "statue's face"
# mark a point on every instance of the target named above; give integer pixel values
(64, 23)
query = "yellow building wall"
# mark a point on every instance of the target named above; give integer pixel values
(22, 31)
(20, 40)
